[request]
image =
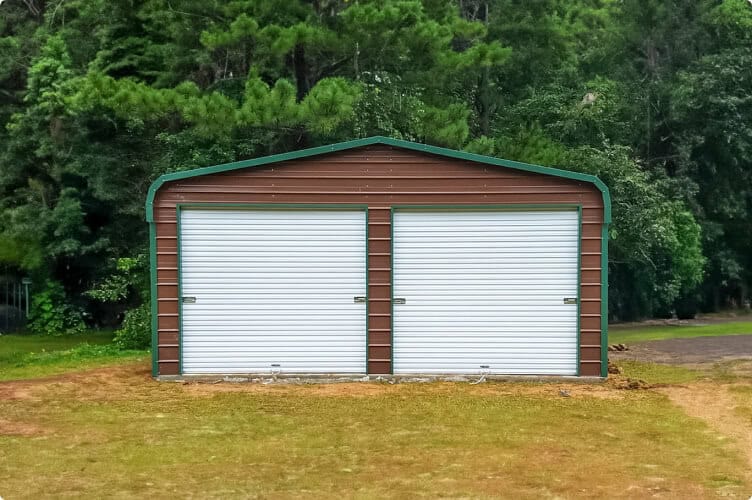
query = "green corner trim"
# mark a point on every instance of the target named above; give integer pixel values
(366, 246)
(178, 214)
(604, 300)
(391, 290)
(413, 146)
(579, 290)
(153, 297)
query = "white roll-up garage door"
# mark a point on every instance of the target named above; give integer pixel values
(268, 291)
(485, 292)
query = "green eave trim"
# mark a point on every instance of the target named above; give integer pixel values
(413, 146)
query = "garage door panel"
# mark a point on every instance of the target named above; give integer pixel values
(252, 255)
(282, 284)
(484, 281)
(511, 306)
(223, 250)
(484, 264)
(300, 261)
(272, 300)
(472, 332)
(311, 329)
(246, 368)
(283, 348)
(557, 292)
(484, 292)
(273, 291)
(472, 311)
(509, 350)
(455, 330)
(513, 369)
(243, 367)
(299, 356)
(510, 246)
(240, 310)
(464, 290)
(291, 338)
(313, 279)
(269, 325)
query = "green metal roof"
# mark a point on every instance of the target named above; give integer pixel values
(342, 146)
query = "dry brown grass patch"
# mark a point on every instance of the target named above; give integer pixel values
(713, 403)
(14, 428)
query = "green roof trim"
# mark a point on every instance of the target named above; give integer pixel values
(343, 146)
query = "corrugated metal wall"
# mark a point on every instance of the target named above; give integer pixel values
(380, 176)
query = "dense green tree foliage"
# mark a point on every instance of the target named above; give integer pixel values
(97, 98)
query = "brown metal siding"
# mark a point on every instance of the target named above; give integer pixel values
(380, 176)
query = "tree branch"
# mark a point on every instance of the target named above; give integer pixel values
(31, 5)
(328, 70)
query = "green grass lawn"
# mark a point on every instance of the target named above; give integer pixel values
(117, 433)
(13, 344)
(654, 373)
(114, 432)
(626, 335)
(743, 395)
(30, 356)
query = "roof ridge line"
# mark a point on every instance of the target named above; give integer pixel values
(368, 141)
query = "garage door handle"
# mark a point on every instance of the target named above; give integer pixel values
(359, 300)
(399, 300)
(189, 300)
(570, 300)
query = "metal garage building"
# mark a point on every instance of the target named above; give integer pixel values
(379, 256)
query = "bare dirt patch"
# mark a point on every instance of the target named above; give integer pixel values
(713, 404)
(549, 389)
(691, 351)
(111, 383)
(134, 382)
(16, 390)
(347, 389)
(376, 389)
(12, 428)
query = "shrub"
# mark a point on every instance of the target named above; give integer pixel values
(51, 314)
(135, 332)
(129, 283)
(687, 306)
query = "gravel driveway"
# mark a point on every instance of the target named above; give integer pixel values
(689, 351)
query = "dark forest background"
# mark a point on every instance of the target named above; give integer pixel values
(98, 98)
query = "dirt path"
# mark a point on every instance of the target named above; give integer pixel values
(689, 351)
(133, 381)
(713, 403)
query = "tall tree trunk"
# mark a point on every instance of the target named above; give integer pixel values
(485, 108)
(483, 103)
(302, 87)
(743, 294)
(300, 66)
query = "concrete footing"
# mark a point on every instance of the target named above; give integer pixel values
(257, 378)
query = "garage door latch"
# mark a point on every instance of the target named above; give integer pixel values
(189, 300)
(359, 299)
(570, 300)
(399, 300)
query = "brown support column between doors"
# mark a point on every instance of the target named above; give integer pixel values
(379, 290)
